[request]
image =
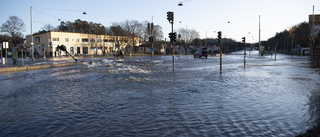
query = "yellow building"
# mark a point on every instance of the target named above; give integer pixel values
(79, 43)
(316, 19)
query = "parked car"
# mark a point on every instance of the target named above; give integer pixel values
(204, 54)
(197, 54)
(200, 54)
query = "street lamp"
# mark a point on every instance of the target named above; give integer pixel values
(180, 4)
(31, 34)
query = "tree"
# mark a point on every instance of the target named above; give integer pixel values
(146, 33)
(115, 30)
(80, 26)
(187, 36)
(48, 27)
(302, 32)
(14, 26)
(132, 29)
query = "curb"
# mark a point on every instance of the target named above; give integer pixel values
(35, 67)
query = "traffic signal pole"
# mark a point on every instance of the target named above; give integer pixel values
(172, 35)
(220, 48)
(245, 52)
(172, 45)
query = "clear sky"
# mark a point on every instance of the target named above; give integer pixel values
(205, 16)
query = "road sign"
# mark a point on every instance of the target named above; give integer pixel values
(14, 53)
(151, 49)
(5, 45)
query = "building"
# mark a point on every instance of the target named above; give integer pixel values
(45, 43)
(316, 23)
(316, 19)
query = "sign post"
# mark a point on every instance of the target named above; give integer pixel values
(1, 53)
(14, 55)
(22, 55)
(5, 46)
(21, 48)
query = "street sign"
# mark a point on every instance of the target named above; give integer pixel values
(5, 45)
(14, 53)
(151, 49)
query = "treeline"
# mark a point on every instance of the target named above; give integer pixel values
(288, 40)
(130, 28)
(80, 26)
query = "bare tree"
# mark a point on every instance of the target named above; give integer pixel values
(48, 27)
(187, 36)
(134, 29)
(14, 26)
(146, 31)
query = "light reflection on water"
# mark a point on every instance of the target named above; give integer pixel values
(110, 98)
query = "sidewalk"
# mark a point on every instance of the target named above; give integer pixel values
(39, 63)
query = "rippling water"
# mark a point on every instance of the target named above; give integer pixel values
(142, 98)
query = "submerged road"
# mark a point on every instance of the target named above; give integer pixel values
(139, 97)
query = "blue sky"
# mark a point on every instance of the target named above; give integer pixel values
(205, 16)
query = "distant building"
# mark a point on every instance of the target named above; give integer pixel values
(80, 43)
(316, 22)
(316, 19)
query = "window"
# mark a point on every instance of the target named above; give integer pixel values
(71, 51)
(99, 40)
(77, 40)
(92, 40)
(37, 40)
(55, 39)
(85, 40)
(66, 39)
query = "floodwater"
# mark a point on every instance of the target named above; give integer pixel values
(139, 97)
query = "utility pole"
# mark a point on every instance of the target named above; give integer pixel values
(259, 37)
(313, 43)
(32, 52)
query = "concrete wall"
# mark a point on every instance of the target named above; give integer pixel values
(36, 67)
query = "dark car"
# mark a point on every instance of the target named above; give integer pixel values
(200, 54)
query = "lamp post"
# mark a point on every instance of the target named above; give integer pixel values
(32, 52)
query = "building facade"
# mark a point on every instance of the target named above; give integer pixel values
(46, 43)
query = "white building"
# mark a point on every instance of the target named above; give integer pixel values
(78, 43)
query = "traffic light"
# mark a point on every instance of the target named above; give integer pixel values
(173, 37)
(244, 39)
(170, 16)
(151, 39)
(170, 36)
(219, 36)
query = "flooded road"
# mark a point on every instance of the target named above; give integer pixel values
(139, 97)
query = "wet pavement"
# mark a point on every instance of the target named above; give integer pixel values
(139, 97)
